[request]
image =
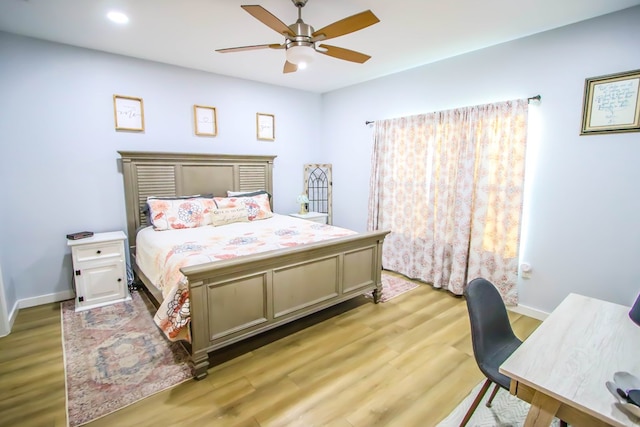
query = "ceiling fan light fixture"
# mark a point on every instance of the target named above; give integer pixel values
(117, 17)
(300, 54)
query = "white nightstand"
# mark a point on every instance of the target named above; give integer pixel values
(99, 270)
(312, 216)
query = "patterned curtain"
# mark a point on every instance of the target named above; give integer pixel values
(449, 185)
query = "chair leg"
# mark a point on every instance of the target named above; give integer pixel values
(493, 394)
(476, 402)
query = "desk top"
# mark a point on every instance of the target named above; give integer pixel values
(575, 351)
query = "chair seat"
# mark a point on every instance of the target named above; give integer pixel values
(490, 365)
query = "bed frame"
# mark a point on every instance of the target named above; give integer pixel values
(231, 300)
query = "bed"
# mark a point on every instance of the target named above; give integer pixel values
(241, 296)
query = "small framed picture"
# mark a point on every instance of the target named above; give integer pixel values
(129, 113)
(266, 126)
(205, 119)
(611, 103)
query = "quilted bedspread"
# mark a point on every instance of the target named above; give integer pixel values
(161, 254)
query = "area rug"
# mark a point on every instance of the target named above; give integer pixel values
(115, 356)
(393, 286)
(506, 411)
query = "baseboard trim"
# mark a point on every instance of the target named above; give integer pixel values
(11, 318)
(529, 311)
(45, 299)
(12, 315)
(32, 302)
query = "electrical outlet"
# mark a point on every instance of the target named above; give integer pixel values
(525, 270)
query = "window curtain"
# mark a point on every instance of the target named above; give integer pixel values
(449, 185)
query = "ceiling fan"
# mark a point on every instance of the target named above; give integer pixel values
(301, 38)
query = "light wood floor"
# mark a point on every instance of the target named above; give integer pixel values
(407, 362)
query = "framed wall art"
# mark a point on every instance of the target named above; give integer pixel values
(205, 119)
(129, 113)
(611, 103)
(266, 126)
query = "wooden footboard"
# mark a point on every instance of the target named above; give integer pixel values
(235, 299)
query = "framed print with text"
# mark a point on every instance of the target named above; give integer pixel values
(205, 119)
(611, 103)
(129, 113)
(266, 126)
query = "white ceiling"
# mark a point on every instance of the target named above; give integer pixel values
(187, 32)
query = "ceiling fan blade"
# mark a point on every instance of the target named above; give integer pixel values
(289, 67)
(254, 47)
(345, 26)
(268, 19)
(342, 53)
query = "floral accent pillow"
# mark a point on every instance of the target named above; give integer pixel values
(175, 214)
(258, 206)
(229, 215)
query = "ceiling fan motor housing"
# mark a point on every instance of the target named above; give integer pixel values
(303, 34)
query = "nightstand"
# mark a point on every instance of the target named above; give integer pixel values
(99, 270)
(312, 216)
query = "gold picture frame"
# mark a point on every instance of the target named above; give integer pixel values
(205, 120)
(128, 113)
(265, 127)
(611, 103)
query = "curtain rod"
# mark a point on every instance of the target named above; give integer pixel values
(533, 98)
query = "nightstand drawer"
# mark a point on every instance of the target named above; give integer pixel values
(98, 251)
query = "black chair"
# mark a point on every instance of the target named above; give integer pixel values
(492, 337)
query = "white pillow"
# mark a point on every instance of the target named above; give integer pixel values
(229, 215)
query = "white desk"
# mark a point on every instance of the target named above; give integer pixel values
(561, 369)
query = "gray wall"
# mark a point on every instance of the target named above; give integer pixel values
(581, 232)
(59, 167)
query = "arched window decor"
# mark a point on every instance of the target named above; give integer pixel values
(317, 186)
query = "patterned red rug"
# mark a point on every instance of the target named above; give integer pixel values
(115, 356)
(393, 286)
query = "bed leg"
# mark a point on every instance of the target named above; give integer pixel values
(201, 364)
(376, 295)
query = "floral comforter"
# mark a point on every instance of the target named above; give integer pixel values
(161, 254)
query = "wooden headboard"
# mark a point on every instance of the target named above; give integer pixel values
(179, 174)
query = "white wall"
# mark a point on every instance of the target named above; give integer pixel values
(58, 162)
(582, 232)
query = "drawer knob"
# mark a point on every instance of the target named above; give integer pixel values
(98, 252)
(119, 279)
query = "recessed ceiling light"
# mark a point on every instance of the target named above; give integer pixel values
(118, 17)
